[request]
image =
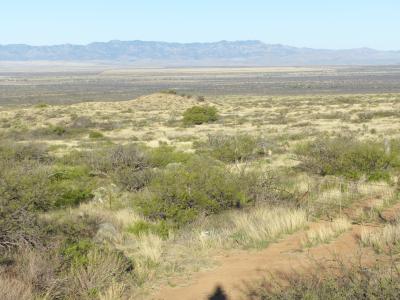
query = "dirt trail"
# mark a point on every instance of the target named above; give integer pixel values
(284, 256)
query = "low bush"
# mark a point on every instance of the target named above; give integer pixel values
(231, 148)
(169, 92)
(57, 130)
(29, 187)
(95, 135)
(162, 156)
(198, 115)
(142, 227)
(75, 253)
(132, 179)
(116, 157)
(180, 193)
(31, 181)
(41, 105)
(128, 166)
(25, 184)
(349, 158)
(71, 185)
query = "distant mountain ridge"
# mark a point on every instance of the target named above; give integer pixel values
(223, 53)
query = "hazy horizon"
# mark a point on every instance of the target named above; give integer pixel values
(310, 24)
(193, 42)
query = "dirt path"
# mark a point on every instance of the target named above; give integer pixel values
(241, 266)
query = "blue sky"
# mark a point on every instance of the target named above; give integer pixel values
(305, 23)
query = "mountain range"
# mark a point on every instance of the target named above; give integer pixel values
(223, 53)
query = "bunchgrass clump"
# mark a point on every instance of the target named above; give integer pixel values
(386, 239)
(326, 233)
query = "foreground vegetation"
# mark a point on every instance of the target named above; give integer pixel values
(95, 207)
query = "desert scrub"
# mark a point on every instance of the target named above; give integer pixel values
(181, 192)
(128, 165)
(28, 188)
(326, 233)
(349, 158)
(232, 148)
(198, 115)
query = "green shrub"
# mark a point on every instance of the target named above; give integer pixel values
(71, 193)
(95, 135)
(162, 156)
(71, 185)
(41, 105)
(169, 92)
(197, 115)
(181, 192)
(30, 184)
(58, 130)
(161, 228)
(25, 184)
(230, 148)
(75, 253)
(23, 191)
(348, 157)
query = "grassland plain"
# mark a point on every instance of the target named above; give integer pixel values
(58, 82)
(136, 204)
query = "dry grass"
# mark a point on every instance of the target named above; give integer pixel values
(382, 189)
(265, 225)
(150, 247)
(382, 240)
(115, 291)
(326, 233)
(255, 228)
(13, 289)
(102, 269)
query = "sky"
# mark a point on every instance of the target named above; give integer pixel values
(333, 24)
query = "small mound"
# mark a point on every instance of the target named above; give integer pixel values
(162, 101)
